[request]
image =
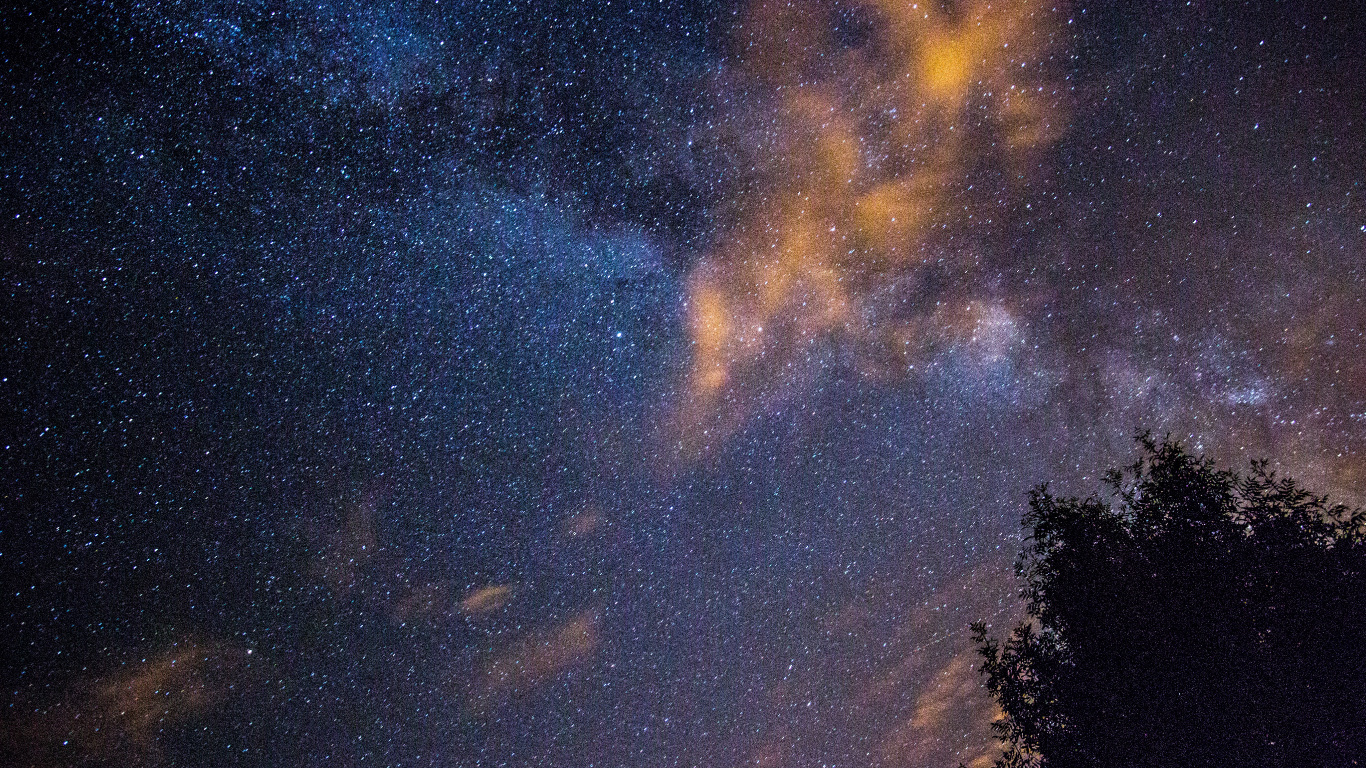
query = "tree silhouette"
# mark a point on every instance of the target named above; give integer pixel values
(1200, 618)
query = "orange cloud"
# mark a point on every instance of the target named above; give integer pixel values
(535, 660)
(121, 718)
(953, 705)
(487, 599)
(864, 142)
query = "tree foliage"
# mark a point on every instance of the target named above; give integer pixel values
(1197, 618)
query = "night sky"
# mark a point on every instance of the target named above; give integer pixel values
(634, 383)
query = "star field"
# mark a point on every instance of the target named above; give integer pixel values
(638, 383)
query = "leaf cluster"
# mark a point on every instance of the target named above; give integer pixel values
(1196, 617)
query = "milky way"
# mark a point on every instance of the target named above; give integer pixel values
(646, 383)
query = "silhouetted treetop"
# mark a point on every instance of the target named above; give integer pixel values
(1195, 617)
